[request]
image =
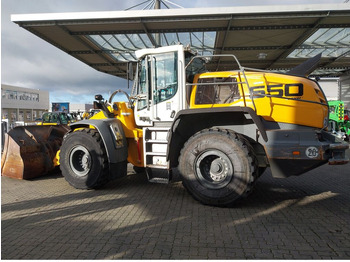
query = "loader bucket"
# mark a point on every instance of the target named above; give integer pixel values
(30, 151)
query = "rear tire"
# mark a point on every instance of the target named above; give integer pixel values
(83, 159)
(218, 167)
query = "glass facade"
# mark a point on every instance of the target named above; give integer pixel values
(18, 95)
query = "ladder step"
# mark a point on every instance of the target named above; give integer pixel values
(158, 166)
(156, 141)
(155, 146)
(159, 180)
(155, 154)
(158, 176)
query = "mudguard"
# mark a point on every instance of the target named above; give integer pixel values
(112, 134)
(240, 119)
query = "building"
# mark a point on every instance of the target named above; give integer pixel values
(337, 88)
(23, 104)
(344, 89)
(80, 108)
(330, 87)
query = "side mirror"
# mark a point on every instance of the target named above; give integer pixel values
(98, 97)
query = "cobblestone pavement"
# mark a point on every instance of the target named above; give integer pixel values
(304, 217)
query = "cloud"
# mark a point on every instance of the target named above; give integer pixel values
(29, 61)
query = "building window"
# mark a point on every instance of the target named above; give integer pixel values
(11, 94)
(24, 96)
(35, 97)
(21, 115)
(13, 116)
(28, 115)
(5, 114)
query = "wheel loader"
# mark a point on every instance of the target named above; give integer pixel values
(221, 130)
(30, 151)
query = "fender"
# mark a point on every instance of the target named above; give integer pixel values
(189, 121)
(112, 134)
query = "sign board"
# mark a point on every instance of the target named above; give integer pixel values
(60, 107)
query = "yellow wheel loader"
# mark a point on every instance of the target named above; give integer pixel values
(220, 129)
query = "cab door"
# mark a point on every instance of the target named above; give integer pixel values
(159, 86)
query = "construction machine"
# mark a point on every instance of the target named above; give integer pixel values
(221, 130)
(56, 118)
(31, 151)
(338, 119)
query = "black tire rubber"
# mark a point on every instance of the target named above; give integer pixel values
(218, 167)
(138, 169)
(83, 159)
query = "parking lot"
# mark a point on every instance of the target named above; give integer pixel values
(304, 217)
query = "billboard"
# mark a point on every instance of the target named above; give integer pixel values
(60, 107)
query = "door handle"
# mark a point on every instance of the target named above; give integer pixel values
(172, 115)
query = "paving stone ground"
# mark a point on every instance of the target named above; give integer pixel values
(305, 217)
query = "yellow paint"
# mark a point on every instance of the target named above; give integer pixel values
(278, 109)
(133, 134)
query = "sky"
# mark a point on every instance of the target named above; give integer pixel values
(30, 62)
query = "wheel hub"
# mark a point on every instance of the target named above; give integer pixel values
(213, 169)
(218, 170)
(80, 160)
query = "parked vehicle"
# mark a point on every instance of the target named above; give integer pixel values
(220, 129)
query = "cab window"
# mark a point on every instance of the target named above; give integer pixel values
(63, 118)
(165, 76)
(217, 91)
(143, 84)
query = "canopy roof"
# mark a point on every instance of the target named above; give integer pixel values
(264, 37)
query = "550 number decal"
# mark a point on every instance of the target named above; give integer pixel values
(279, 90)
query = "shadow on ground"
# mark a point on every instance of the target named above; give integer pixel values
(296, 218)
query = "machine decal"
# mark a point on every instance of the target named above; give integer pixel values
(279, 90)
(118, 136)
(311, 152)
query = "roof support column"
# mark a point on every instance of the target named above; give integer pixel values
(150, 36)
(157, 35)
(224, 41)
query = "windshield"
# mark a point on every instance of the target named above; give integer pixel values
(143, 83)
(63, 118)
(159, 72)
(165, 76)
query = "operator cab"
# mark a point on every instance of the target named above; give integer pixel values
(160, 83)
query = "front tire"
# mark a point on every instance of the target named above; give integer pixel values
(218, 167)
(83, 159)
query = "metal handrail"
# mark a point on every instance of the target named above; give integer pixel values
(241, 70)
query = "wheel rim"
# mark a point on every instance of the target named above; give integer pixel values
(213, 169)
(80, 160)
